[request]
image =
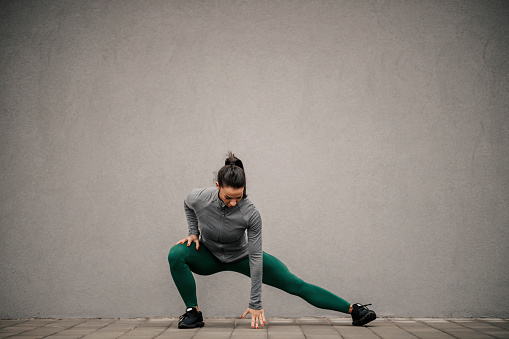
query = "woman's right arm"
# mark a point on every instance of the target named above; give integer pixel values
(192, 222)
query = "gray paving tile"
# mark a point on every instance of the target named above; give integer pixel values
(97, 323)
(351, 332)
(420, 329)
(64, 335)
(341, 321)
(175, 335)
(498, 322)
(487, 328)
(324, 330)
(312, 321)
(160, 322)
(254, 335)
(459, 329)
(42, 331)
(40, 322)
(286, 336)
(75, 332)
(216, 334)
(8, 323)
(174, 332)
(283, 328)
(281, 321)
(391, 332)
(220, 322)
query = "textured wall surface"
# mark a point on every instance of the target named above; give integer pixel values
(375, 136)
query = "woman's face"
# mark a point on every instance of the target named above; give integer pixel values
(229, 195)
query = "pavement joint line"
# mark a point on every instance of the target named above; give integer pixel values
(494, 322)
(131, 329)
(51, 322)
(459, 324)
(473, 329)
(97, 329)
(67, 328)
(392, 322)
(414, 322)
(165, 329)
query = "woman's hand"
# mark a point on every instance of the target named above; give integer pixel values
(257, 317)
(189, 240)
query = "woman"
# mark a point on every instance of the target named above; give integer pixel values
(219, 219)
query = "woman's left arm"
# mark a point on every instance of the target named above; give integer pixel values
(254, 237)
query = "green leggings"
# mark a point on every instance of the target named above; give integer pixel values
(183, 260)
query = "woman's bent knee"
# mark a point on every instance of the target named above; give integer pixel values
(177, 252)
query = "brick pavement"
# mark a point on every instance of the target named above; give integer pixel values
(284, 328)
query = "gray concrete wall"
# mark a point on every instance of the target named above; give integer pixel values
(375, 136)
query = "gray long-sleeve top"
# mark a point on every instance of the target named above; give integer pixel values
(223, 231)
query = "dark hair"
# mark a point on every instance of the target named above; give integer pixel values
(232, 174)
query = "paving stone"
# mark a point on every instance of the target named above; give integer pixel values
(351, 332)
(421, 330)
(459, 331)
(500, 323)
(212, 335)
(174, 332)
(319, 330)
(251, 334)
(391, 332)
(103, 335)
(281, 321)
(218, 322)
(341, 321)
(177, 336)
(42, 331)
(7, 323)
(139, 334)
(75, 332)
(312, 321)
(284, 328)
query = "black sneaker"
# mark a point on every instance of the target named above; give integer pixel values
(191, 319)
(361, 315)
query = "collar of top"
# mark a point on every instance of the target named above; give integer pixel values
(219, 202)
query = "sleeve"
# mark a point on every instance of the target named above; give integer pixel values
(254, 237)
(192, 219)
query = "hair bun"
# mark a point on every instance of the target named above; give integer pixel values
(232, 160)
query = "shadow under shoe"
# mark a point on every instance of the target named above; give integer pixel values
(191, 319)
(361, 315)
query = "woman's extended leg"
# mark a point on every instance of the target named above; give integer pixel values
(276, 274)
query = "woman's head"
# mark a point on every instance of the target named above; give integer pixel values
(231, 181)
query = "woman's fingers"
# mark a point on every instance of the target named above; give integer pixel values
(189, 240)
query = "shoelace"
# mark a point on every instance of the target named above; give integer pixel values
(183, 316)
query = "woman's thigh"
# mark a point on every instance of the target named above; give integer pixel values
(200, 261)
(274, 270)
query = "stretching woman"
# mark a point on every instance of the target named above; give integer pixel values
(219, 219)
